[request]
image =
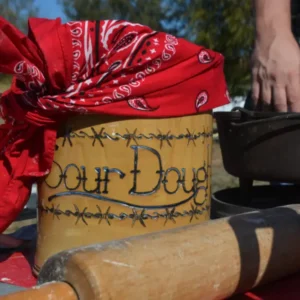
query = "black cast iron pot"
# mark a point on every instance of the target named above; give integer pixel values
(260, 146)
(228, 202)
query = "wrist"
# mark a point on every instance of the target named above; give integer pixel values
(272, 18)
(264, 42)
(269, 29)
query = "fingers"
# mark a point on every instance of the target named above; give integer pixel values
(293, 94)
(266, 95)
(287, 98)
(282, 98)
(261, 89)
(279, 99)
(261, 94)
(255, 89)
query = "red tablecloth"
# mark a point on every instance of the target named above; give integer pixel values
(15, 268)
(285, 289)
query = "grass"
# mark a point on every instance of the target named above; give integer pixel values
(5, 82)
(220, 178)
(4, 85)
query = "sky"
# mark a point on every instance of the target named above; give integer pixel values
(49, 9)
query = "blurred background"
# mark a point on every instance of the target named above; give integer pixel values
(222, 25)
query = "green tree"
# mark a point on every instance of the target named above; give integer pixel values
(148, 12)
(18, 11)
(226, 26)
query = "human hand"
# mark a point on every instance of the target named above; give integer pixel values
(276, 73)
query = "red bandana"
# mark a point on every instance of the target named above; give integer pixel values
(102, 67)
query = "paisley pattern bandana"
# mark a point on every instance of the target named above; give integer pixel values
(90, 67)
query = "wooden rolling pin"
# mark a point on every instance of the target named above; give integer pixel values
(212, 260)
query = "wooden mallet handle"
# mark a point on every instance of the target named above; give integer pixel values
(212, 260)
